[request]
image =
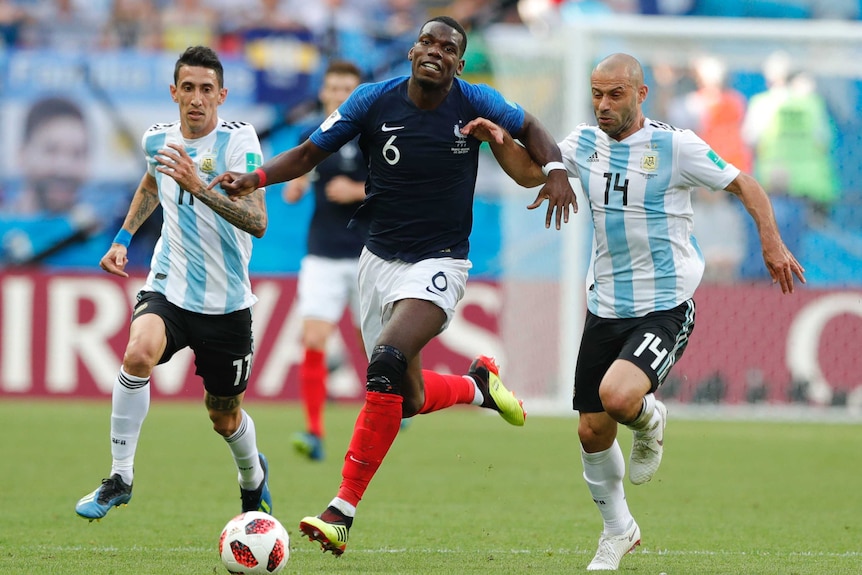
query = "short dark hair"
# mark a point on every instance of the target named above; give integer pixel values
(452, 23)
(343, 67)
(200, 56)
(48, 109)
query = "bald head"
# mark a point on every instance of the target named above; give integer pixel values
(621, 66)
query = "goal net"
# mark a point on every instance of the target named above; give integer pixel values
(752, 347)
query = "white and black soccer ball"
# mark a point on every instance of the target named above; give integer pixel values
(253, 543)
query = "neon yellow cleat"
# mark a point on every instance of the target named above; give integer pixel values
(487, 375)
(331, 534)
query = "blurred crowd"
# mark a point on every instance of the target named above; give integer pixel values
(784, 135)
(172, 25)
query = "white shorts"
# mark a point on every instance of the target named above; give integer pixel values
(326, 287)
(441, 281)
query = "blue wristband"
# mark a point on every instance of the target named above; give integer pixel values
(123, 237)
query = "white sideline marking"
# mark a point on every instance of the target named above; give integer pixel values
(543, 552)
(724, 412)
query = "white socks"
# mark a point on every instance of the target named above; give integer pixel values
(604, 472)
(479, 397)
(346, 508)
(243, 446)
(648, 417)
(130, 402)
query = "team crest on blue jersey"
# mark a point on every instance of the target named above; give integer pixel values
(649, 162)
(460, 146)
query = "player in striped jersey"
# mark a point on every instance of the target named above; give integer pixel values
(418, 213)
(197, 293)
(638, 175)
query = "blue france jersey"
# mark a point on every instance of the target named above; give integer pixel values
(200, 262)
(328, 234)
(639, 190)
(422, 170)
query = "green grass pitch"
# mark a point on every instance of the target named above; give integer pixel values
(460, 493)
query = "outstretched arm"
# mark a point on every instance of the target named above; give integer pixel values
(512, 156)
(782, 265)
(524, 163)
(284, 167)
(557, 189)
(247, 213)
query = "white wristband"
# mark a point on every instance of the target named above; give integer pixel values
(547, 168)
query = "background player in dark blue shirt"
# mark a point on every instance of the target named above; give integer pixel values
(328, 274)
(418, 216)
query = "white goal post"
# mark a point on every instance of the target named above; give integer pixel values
(548, 73)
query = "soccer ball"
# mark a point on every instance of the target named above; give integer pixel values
(254, 542)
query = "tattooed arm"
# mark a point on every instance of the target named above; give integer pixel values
(247, 214)
(144, 201)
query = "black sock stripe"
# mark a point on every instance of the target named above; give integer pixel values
(240, 431)
(129, 384)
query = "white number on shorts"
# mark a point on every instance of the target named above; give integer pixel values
(390, 153)
(653, 342)
(242, 367)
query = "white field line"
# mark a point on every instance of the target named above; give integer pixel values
(309, 548)
(724, 412)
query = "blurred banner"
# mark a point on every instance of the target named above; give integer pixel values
(64, 335)
(70, 148)
(751, 344)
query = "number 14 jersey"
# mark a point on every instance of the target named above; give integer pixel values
(645, 255)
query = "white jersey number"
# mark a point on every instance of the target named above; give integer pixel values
(243, 369)
(653, 343)
(390, 153)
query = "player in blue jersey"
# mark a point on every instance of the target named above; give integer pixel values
(416, 218)
(328, 274)
(197, 293)
(638, 176)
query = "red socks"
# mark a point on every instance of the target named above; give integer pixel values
(442, 391)
(312, 389)
(378, 424)
(373, 435)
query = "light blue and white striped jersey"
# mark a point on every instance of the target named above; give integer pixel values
(200, 262)
(645, 258)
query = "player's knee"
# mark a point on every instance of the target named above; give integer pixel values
(225, 423)
(619, 404)
(315, 341)
(137, 360)
(386, 370)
